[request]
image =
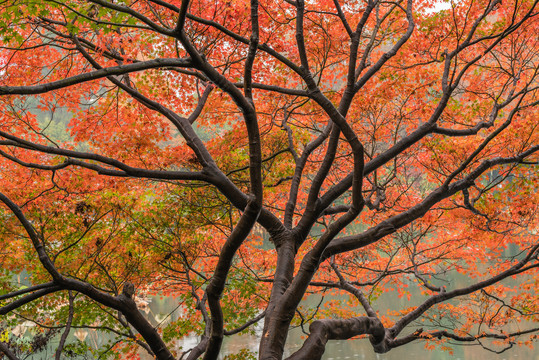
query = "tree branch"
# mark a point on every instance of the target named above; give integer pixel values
(339, 329)
(94, 75)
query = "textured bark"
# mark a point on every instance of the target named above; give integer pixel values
(340, 329)
(337, 138)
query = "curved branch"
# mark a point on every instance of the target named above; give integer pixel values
(391, 225)
(72, 155)
(36, 242)
(26, 290)
(201, 102)
(420, 334)
(93, 75)
(123, 302)
(128, 10)
(246, 325)
(444, 296)
(6, 351)
(340, 329)
(216, 286)
(28, 298)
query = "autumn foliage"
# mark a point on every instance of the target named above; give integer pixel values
(268, 165)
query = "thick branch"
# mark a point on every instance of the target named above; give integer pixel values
(339, 329)
(391, 225)
(26, 290)
(7, 351)
(217, 283)
(444, 296)
(93, 75)
(444, 333)
(28, 298)
(122, 302)
(72, 156)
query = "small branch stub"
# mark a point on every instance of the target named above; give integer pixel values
(128, 290)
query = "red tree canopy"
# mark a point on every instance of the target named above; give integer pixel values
(253, 158)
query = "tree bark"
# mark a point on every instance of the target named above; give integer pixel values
(340, 329)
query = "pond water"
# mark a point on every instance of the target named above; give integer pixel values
(164, 309)
(362, 349)
(159, 310)
(349, 349)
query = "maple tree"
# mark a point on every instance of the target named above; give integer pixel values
(245, 156)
